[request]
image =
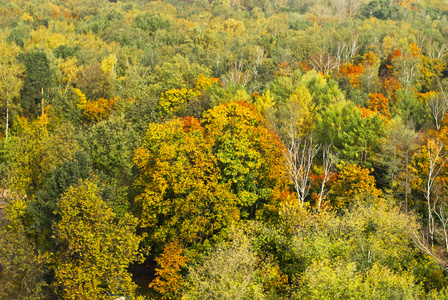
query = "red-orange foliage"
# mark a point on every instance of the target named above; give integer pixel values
(255, 96)
(408, 4)
(191, 124)
(396, 54)
(353, 72)
(353, 181)
(304, 67)
(378, 103)
(366, 112)
(391, 85)
(97, 110)
(168, 281)
(284, 70)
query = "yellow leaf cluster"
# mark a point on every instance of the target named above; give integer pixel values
(107, 65)
(353, 181)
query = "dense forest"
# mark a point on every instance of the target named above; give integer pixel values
(223, 149)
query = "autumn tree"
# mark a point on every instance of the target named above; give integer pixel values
(95, 248)
(248, 154)
(432, 159)
(22, 266)
(44, 207)
(38, 152)
(183, 195)
(377, 102)
(353, 181)
(168, 281)
(438, 105)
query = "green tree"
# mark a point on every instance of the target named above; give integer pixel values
(38, 81)
(43, 208)
(110, 144)
(150, 23)
(36, 152)
(380, 9)
(95, 82)
(339, 280)
(22, 266)
(354, 136)
(233, 270)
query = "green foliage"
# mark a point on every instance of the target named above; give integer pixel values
(65, 51)
(10, 87)
(110, 145)
(249, 154)
(191, 157)
(26, 172)
(352, 135)
(150, 23)
(380, 9)
(176, 73)
(43, 208)
(412, 109)
(324, 280)
(39, 78)
(232, 270)
(95, 82)
(19, 34)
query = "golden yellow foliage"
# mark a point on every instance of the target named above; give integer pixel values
(353, 181)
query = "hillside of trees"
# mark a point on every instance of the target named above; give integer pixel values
(223, 149)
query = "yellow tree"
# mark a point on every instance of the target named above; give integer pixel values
(296, 121)
(70, 69)
(183, 202)
(95, 248)
(37, 152)
(353, 181)
(183, 196)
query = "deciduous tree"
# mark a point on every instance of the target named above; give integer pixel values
(95, 248)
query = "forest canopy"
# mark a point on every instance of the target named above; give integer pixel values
(223, 149)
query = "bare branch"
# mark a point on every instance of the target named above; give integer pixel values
(328, 160)
(299, 160)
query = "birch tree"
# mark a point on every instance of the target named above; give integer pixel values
(10, 86)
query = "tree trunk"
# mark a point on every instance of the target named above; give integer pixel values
(42, 101)
(7, 119)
